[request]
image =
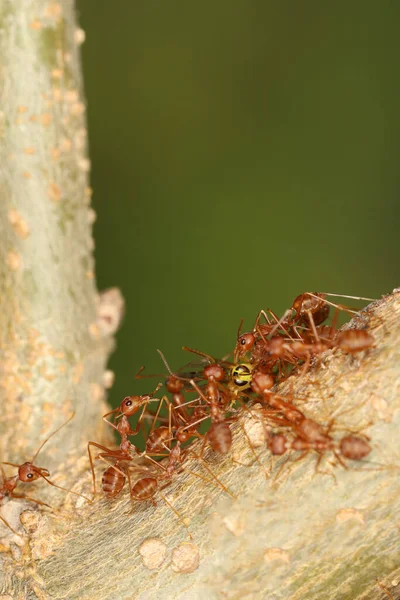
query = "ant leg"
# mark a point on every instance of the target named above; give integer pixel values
(9, 526)
(65, 489)
(207, 468)
(155, 462)
(256, 457)
(312, 325)
(340, 460)
(108, 452)
(285, 462)
(128, 475)
(196, 475)
(350, 311)
(203, 447)
(281, 320)
(384, 588)
(177, 514)
(156, 388)
(22, 496)
(157, 417)
(262, 313)
(142, 414)
(109, 422)
(306, 366)
(302, 455)
(319, 471)
(109, 464)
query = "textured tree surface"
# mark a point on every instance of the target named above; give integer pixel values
(295, 535)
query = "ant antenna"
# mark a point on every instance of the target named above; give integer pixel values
(344, 296)
(51, 435)
(239, 331)
(203, 354)
(139, 376)
(169, 368)
(65, 489)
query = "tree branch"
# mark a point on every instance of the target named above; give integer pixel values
(293, 536)
(56, 331)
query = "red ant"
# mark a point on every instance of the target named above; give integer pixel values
(175, 387)
(219, 435)
(27, 473)
(112, 478)
(218, 400)
(149, 482)
(268, 351)
(310, 435)
(145, 487)
(354, 340)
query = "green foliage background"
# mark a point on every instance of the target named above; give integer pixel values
(243, 151)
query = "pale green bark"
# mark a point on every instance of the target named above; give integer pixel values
(55, 334)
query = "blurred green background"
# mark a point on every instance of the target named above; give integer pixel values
(243, 152)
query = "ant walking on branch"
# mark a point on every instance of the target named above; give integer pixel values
(28, 472)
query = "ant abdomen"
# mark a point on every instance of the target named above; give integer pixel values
(144, 489)
(354, 340)
(112, 482)
(354, 447)
(306, 302)
(157, 440)
(219, 437)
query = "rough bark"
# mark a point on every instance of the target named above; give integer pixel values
(55, 329)
(298, 534)
(294, 535)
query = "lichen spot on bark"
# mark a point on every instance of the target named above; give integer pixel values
(185, 558)
(153, 552)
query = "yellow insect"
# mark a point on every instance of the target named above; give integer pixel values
(241, 376)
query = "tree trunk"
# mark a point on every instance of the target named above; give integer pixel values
(297, 534)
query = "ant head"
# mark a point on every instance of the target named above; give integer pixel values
(131, 404)
(182, 435)
(28, 472)
(245, 343)
(174, 385)
(214, 372)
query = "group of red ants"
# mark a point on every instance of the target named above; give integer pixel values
(263, 357)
